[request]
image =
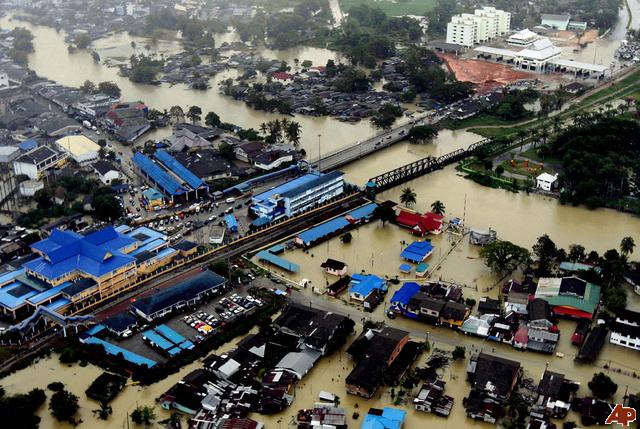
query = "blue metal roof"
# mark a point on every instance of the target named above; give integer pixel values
(232, 223)
(153, 245)
(187, 345)
(95, 329)
(158, 340)
(10, 276)
(405, 293)
(367, 284)
(178, 169)
(391, 418)
(365, 211)
(158, 175)
(48, 294)
(170, 334)
(145, 235)
(58, 303)
(278, 261)
(10, 301)
(96, 254)
(417, 251)
(152, 194)
(322, 230)
(28, 145)
(114, 350)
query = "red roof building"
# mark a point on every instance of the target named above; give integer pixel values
(282, 76)
(428, 223)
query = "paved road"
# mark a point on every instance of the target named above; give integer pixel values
(358, 150)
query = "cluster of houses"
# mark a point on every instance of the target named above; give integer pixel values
(525, 319)
(313, 93)
(77, 19)
(279, 357)
(27, 110)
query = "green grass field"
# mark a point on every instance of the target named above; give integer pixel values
(393, 7)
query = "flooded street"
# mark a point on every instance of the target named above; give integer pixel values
(77, 379)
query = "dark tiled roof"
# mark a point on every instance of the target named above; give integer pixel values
(496, 371)
(333, 264)
(38, 155)
(103, 167)
(550, 384)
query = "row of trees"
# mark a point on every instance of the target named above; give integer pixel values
(108, 88)
(281, 130)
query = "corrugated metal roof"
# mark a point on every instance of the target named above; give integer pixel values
(180, 170)
(158, 175)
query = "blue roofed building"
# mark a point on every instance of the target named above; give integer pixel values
(182, 172)
(185, 293)
(417, 251)
(298, 195)
(387, 418)
(70, 269)
(364, 285)
(400, 299)
(170, 176)
(158, 176)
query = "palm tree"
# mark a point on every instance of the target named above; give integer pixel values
(293, 132)
(408, 197)
(627, 245)
(264, 128)
(438, 207)
(522, 134)
(544, 135)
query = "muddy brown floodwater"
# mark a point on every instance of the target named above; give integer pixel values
(52, 60)
(519, 217)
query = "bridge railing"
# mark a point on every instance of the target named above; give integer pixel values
(417, 168)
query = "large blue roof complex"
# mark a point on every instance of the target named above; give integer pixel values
(96, 254)
(178, 169)
(158, 175)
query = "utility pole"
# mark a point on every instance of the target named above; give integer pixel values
(319, 152)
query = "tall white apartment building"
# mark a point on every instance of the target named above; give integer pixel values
(484, 24)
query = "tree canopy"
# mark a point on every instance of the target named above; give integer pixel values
(64, 406)
(503, 257)
(602, 386)
(600, 160)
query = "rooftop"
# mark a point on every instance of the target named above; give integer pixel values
(78, 145)
(296, 186)
(96, 254)
(185, 290)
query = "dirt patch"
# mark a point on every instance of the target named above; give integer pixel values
(485, 75)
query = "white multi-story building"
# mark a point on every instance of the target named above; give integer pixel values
(298, 195)
(484, 24)
(625, 331)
